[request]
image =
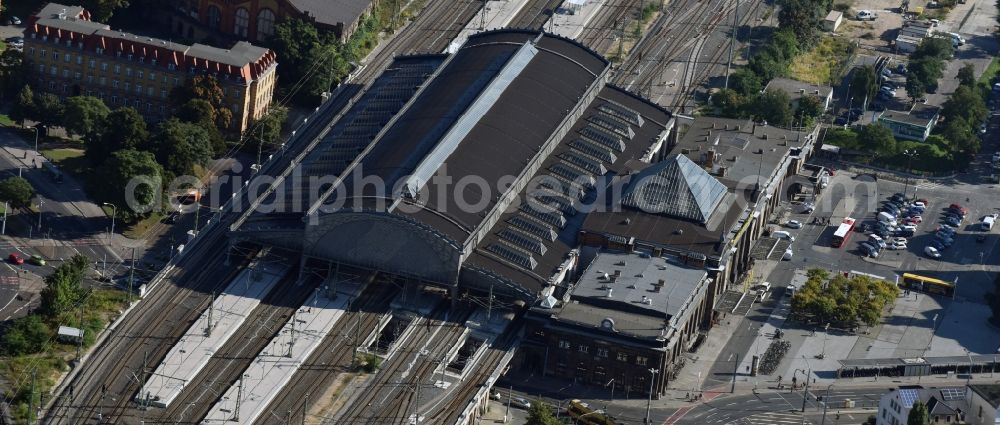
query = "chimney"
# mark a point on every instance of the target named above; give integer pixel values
(710, 159)
(618, 273)
(802, 91)
(661, 282)
(609, 292)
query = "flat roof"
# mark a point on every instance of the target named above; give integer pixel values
(653, 285)
(921, 115)
(332, 12)
(796, 89)
(989, 392)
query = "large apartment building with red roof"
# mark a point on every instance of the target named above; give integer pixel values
(70, 55)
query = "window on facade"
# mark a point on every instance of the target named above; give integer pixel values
(136, 104)
(564, 344)
(139, 74)
(99, 51)
(55, 56)
(114, 100)
(241, 22)
(100, 95)
(65, 88)
(114, 83)
(69, 43)
(623, 357)
(583, 349)
(213, 17)
(177, 81)
(41, 68)
(118, 69)
(65, 72)
(161, 109)
(90, 79)
(67, 57)
(265, 24)
(153, 62)
(163, 94)
(149, 106)
(31, 51)
(76, 75)
(104, 81)
(138, 88)
(91, 64)
(152, 76)
(142, 59)
(128, 86)
(79, 60)
(171, 66)
(104, 66)
(130, 57)
(602, 352)
(52, 85)
(118, 53)
(128, 72)
(640, 360)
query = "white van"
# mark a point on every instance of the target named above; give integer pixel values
(988, 222)
(787, 256)
(886, 217)
(875, 239)
(781, 234)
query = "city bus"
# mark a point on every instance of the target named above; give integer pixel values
(843, 232)
(926, 284)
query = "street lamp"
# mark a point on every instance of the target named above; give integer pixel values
(652, 381)
(114, 212)
(910, 153)
(36, 138)
(826, 401)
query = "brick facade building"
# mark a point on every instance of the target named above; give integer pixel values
(255, 20)
(69, 55)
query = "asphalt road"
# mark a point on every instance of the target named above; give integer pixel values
(771, 407)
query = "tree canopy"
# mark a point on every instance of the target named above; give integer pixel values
(17, 191)
(48, 109)
(13, 73)
(541, 414)
(25, 335)
(773, 106)
(122, 129)
(24, 106)
(802, 18)
(63, 287)
(842, 301)
(178, 146)
(82, 114)
(142, 171)
(207, 89)
(864, 83)
(877, 138)
(918, 414)
(745, 82)
(967, 75)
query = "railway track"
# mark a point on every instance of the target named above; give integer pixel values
(457, 402)
(430, 32)
(534, 14)
(226, 366)
(111, 374)
(605, 28)
(334, 356)
(386, 401)
(710, 67)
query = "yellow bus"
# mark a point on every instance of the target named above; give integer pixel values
(926, 284)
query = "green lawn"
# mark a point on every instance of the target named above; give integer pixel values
(6, 121)
(990, 72)
(70, 160)
(823, 63)
(139, 229)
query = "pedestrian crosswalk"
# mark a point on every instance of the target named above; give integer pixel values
(771, 418)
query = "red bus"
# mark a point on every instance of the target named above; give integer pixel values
(843, 232)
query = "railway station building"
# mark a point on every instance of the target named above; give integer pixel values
(628, 312)
(471, 171)
(255, 20)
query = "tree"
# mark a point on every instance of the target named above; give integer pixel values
(877, 138)
(766, 65)
(122, 129)
(967, 103)
(939, 47)
(960, 135)
(24, 105)
(541, 414)
(801, 17)
(266, 133)
(26, 335)
(202, 113)
(784, 41)
(83, 114)
(207, 88)
(48, 109)
(101, 10)
(12, 72)
(729, 103)
(139, 168)
(918, 414)
(62, 288)
(306, 56)
(745, 82)
(915, 87)
(179, 146)
(17, 191)
(809, 108)
(773, 106)
(864, 83)
(967, 75)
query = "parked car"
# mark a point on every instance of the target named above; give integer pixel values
(904, 233)
(14, 20)
(901, 69)
(895, 245)
(869, 250)
(793, 224)
(36, 260)
(937, 245)
(866, 15)
(932, 252)
(15, 258)
(520, 402)
(952, 222)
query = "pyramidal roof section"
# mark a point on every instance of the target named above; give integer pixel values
(675, 187)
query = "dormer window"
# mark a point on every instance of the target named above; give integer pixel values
(129, 56)
(171, 66)
(69, 43)
(142, 59)
(153, 62)
(45, 38)
(118, 53)
(99, 51)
